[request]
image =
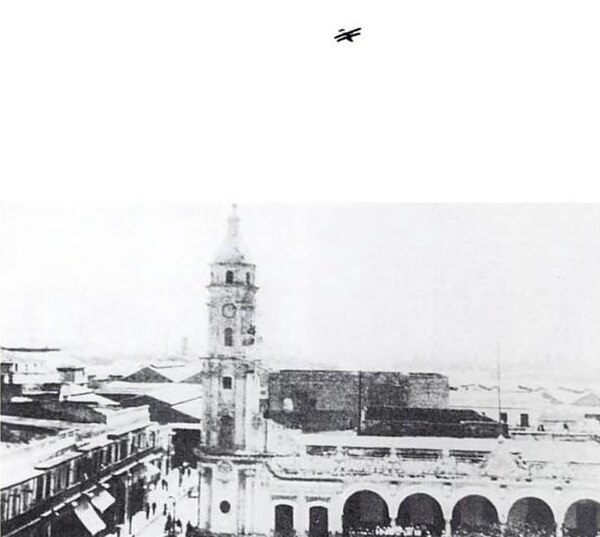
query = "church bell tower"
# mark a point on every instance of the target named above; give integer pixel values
(233, 429)
(232, 291)
(232, 384)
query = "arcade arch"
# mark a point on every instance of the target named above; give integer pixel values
(474, 513)
(422, 510)
(530, 514)
(364, 510)
(582, 519)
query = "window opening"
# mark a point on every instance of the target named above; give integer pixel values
(228, 337)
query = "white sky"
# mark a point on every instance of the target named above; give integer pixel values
(435, 101)
(166, 107)
(411, 287)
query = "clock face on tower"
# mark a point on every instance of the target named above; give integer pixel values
(228, 310)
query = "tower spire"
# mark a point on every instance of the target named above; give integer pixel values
(233, 222)
(232, 249)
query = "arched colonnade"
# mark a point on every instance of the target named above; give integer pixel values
(363, 511)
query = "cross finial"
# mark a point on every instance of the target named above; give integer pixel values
(234, 221)
(232, 250)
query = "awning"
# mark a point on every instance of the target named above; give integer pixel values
(133, 467)
(88, 516)
(152, 470)
(101, 499)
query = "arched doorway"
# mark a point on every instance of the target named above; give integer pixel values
(475, 514)
(530, 516)
(365, 510)
(284, 520)
(421, 510)
(582, 519)
(226, 432)
(318, 523)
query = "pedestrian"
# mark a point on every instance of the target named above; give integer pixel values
(169, 523)
(153, 508)
(188, 529)
(147, 508)
(164, 509)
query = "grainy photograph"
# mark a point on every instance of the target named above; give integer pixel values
(300, 370)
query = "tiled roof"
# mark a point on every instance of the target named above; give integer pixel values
(177, 372)
(171, 394)
(91, 398)
(191, 408)
(175, 394)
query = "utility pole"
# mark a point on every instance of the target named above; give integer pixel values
(499, 380)
(359, 401)
(199, 492)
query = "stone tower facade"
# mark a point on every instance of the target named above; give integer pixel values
(232, 384)
(232, 290)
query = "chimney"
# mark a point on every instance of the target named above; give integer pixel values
(72, 375)
(72, 381)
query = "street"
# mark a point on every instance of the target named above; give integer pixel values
(177, 502)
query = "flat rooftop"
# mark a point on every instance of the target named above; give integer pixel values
(531, 448)
(38, 422)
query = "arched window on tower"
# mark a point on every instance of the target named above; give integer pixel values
(229, 276)
(248, 280)
(228, 337)
(226, 432)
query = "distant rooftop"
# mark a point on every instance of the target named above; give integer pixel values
(536, 449)
(309, 370)
(171, 372)
(38, 422)
(50, 357)
(172, 394)
(30, 349)
(473, 395)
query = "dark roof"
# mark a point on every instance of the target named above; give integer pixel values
(30, 349)
(433, 415)
(360, 372)
(446, 422)
(178, 372)
(169, 393)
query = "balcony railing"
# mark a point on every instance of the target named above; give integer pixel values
(38, 507)
(447, 467)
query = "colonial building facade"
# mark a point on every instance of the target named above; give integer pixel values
(258, 476)
(231, 381)
(85, 479)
